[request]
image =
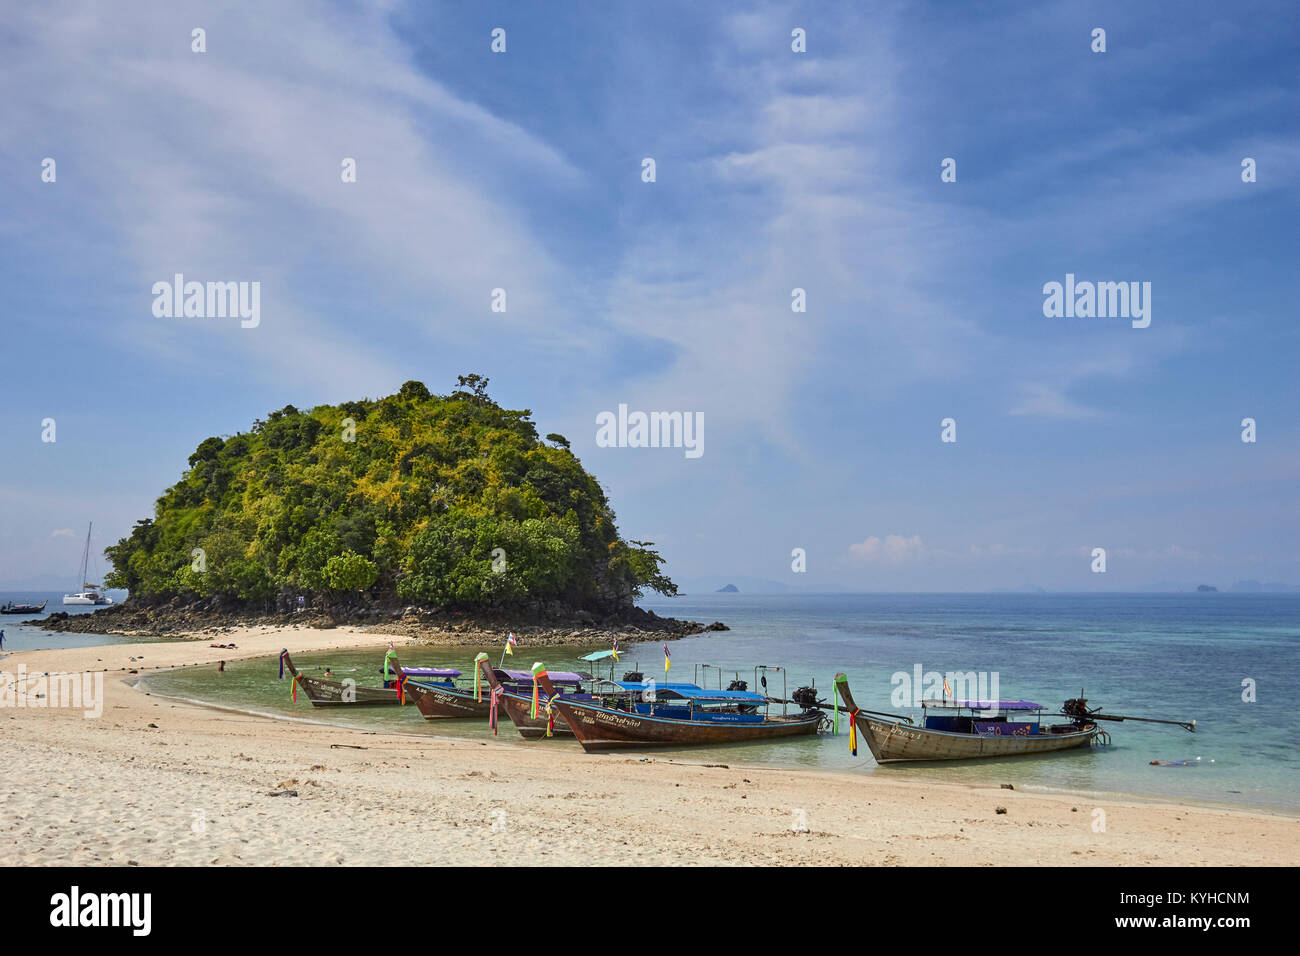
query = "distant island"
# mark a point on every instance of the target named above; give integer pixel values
(727, 589)
(416, 505)
(1207, 588)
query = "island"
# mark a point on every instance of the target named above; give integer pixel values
(444, 517)
(727, 589)
(1207, 588)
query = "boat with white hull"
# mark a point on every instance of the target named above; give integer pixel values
(89, 593)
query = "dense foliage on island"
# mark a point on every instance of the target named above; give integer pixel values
(443, 501)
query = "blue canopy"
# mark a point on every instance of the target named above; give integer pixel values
(696, 692)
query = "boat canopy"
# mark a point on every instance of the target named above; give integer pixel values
(557, 677)
(734, 696)
(658, 687)
(696, 692)
(597, 656)
(984, 704)
(431, 672)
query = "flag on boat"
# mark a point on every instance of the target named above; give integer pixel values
(947, 691)
(511, 643)
(668, 660)
(615, 648)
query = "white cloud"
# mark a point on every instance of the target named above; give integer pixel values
(891, 548)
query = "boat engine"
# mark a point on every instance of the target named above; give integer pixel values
(1077, 708)
(738, 685)
(634, 677)
(806, 697)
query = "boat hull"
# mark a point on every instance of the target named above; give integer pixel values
(331, 693)
(442, 703)
(26, 609)
(520, 710)
(598, 728)
(896, 742)
(81, 600)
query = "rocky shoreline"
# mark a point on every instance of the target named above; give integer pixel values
(549, 627)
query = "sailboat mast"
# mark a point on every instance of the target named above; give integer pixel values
(85, 557)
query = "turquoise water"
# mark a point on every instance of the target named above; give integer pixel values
(21, 635)
(1161, 655)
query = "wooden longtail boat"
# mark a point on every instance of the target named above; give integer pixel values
(444, 700)
(682, 715)
(24, 608)
(516, 700)
(325, 692)
(964, 733)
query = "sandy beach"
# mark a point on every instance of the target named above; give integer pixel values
(156, 782)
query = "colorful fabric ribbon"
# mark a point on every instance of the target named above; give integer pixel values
(853, 731)
(539, 671)
(283, 654)
(401, 689)
(478, 678)
(493, 696)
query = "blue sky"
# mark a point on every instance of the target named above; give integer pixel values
(775, 170)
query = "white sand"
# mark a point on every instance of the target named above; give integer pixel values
(195, 789)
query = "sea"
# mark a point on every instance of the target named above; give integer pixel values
(1231, 662)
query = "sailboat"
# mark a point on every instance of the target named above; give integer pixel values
(89, 593)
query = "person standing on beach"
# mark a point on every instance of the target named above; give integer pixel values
(2, 638)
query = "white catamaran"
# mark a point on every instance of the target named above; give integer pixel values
(90, 593)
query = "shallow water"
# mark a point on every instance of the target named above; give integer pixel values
(1161, 655)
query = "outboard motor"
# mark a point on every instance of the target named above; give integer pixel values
(738, 685)
(1076, 708)
(634, 677)
(806, 697)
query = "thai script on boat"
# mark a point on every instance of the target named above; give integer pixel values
(83, 690)
(1102, 300)
(651, 430)
(208, 300)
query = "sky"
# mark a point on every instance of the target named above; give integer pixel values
(774, 170)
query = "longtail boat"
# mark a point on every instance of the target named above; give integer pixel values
(484, 697)
(12, 608)
(442, 700)
(512, 691)
(327, 692)
(966, 729)
(676, 715)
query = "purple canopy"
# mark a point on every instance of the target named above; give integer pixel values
(430, 672)
(557, 677)
(985, 704)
